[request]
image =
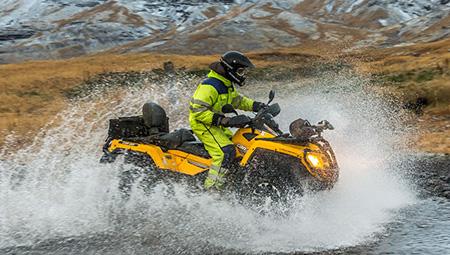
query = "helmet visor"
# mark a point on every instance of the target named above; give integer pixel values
(242, 71)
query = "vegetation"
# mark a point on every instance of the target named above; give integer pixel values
(420, 74)
(34, 92)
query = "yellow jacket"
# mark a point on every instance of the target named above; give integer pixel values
(209, 98)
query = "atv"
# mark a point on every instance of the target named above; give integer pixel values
(269, 163)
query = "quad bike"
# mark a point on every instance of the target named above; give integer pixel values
(269, 163)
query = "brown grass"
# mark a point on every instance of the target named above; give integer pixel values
(418, 70)
(421, 70)
(32, 92)
(435, 132)
(405, 58)
(211, 12)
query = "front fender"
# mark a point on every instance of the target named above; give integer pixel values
(292, 150)
(296, 151)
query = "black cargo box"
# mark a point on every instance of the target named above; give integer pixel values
(127, 127)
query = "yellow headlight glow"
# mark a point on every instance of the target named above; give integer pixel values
(314, 160)
(317, 160)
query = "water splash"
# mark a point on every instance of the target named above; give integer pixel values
(56, 188)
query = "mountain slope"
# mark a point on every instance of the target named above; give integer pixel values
(32, 29)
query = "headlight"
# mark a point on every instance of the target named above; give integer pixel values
(314, 160)
(317, 160)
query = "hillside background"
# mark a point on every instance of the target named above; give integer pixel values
(52, 49)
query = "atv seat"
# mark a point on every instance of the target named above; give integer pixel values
(175, 139)
(182, 139)
(194, 147)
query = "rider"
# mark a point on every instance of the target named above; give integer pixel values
(207, 120)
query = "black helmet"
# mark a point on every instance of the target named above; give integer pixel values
(236, 64)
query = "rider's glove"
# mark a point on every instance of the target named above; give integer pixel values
(237, 121)
(257, 106)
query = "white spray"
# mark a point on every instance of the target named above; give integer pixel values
(56, 188)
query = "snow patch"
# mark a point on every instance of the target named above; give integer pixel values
(329, 6)
(298, 22)
(383, 22)
(358, 2)
(40, 18)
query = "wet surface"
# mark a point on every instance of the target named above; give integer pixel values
(432, 174)
(57, 199)
(420, 228)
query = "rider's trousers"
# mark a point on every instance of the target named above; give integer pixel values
(222, 151)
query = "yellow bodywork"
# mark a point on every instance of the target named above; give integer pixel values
(179, 161)
(174, 160)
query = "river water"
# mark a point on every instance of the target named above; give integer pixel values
(55, 198)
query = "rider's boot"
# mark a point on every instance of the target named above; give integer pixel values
(216, 178)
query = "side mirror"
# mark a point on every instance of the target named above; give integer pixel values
(274, 109)
(228, 108)
(271, 96)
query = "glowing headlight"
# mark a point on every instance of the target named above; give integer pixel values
(317, 160)
(313, 160)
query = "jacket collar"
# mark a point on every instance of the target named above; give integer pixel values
(213, 74)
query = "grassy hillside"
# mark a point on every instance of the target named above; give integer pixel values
(420, 74)
(33, 92)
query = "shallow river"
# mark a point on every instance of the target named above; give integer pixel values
(55, 198)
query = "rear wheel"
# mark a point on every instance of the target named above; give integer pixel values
(140, 172)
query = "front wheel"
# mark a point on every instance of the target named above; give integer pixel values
(265, 196)
(272, 179)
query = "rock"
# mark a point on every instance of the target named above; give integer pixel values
(446, 194)
(88, 4)
(431, 181)
(15, 34)
(169, 67)
(438, 189)
(417, 106)
(445, 179)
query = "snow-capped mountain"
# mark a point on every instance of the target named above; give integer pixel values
(33, 29)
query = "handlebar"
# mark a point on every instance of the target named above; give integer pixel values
(264, 121)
